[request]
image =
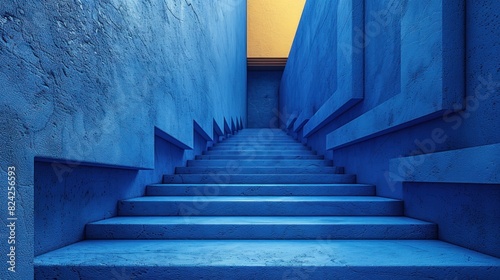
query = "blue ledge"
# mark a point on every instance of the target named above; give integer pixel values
(302, 119)
(349, 66)
(291, 120)
(432, 67)
(469, 165)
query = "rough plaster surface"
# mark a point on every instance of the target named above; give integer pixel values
(463, 212)
(262, 92)
(477, 125)
(347, 69)
(88, 81)
(66, 201)
(269, 259)
(432, 45)
(468, 165)
(313, 56)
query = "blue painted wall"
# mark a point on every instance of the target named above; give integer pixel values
(68, 197)
(467, 214)
(315, 40)
(87, 83)
(262, 91)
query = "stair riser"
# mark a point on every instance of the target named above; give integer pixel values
(226, 178)
(257, 138)
(260, 170)
(261, 143)
(232, 190)
(247, 153)
(259, 135)
(260, 231)
(232, 164)
(259, 148)
(261, 157)
(198, 207)
(282, 272)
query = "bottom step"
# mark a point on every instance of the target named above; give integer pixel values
(265, 259)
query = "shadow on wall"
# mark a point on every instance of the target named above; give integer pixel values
(468, 217)
(68, 195)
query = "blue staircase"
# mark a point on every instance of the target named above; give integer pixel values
(262, 206)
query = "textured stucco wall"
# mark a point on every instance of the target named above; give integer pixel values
(66, 201)
(467, 214)
(312, 59)
(88, 81)
(272, 26)
(262, 91)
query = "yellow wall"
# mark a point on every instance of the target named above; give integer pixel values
(271, 26)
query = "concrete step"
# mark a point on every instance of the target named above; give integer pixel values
(298, 147)
(260, 189)
(259, 178)
(261, 142)
(243, 227)
(265, 259)
(232, 164)
(267, 137)
(261, 153)
(260, 206)
(260, 135)
(254, 157)
(262, 131)
(260, 170)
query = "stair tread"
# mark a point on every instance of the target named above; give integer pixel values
(260, 151)
(262, 199)
(261, 220)
(260, 189)
(260, 169)
(259, 157)
(257, 142)
(260, 162)
(259, 178)
(262, 185)
(264, 175)
(274, 253)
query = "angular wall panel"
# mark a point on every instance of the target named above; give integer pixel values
(470, 165)
(432, 67)
(349, 67)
